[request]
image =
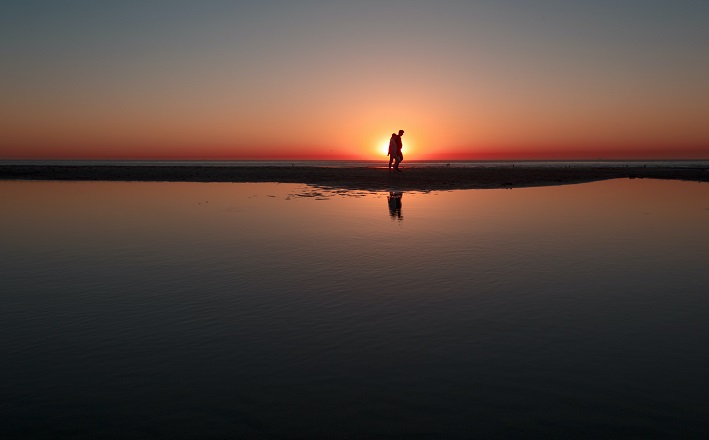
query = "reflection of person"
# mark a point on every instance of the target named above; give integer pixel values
(394, 201)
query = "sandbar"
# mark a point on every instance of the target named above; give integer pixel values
(366, 178)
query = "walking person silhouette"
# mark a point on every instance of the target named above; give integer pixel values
(392, 149)
(394, 153)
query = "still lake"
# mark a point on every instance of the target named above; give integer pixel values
(212, 310)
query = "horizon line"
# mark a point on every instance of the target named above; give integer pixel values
(271, 159)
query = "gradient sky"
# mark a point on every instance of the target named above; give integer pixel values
(327, 79)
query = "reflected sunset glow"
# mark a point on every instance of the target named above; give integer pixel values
(253, 306)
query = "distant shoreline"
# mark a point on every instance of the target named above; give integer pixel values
(372, 178)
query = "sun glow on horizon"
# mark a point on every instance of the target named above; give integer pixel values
(333, 80)
(381, 148)
(384, 149)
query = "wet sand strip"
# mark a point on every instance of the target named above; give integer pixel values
(413, 178)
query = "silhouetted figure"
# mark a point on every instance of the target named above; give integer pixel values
(393, 148)
(399, 154)
(394, 201)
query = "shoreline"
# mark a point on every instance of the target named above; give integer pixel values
(370, 178)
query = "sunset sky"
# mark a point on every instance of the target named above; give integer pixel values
(497, 79)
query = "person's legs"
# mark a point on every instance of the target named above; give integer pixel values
(391, 158)
(397, 161)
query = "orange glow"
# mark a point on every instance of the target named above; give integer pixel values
(374, 150)
(438, 124)
(383, 149)
(465, 80)
(360, 132)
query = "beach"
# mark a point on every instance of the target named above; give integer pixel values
(368, 178)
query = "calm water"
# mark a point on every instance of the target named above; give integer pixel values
(188, 310)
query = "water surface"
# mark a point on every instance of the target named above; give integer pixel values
(192, 310)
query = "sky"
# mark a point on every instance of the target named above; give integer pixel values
(497, 79)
